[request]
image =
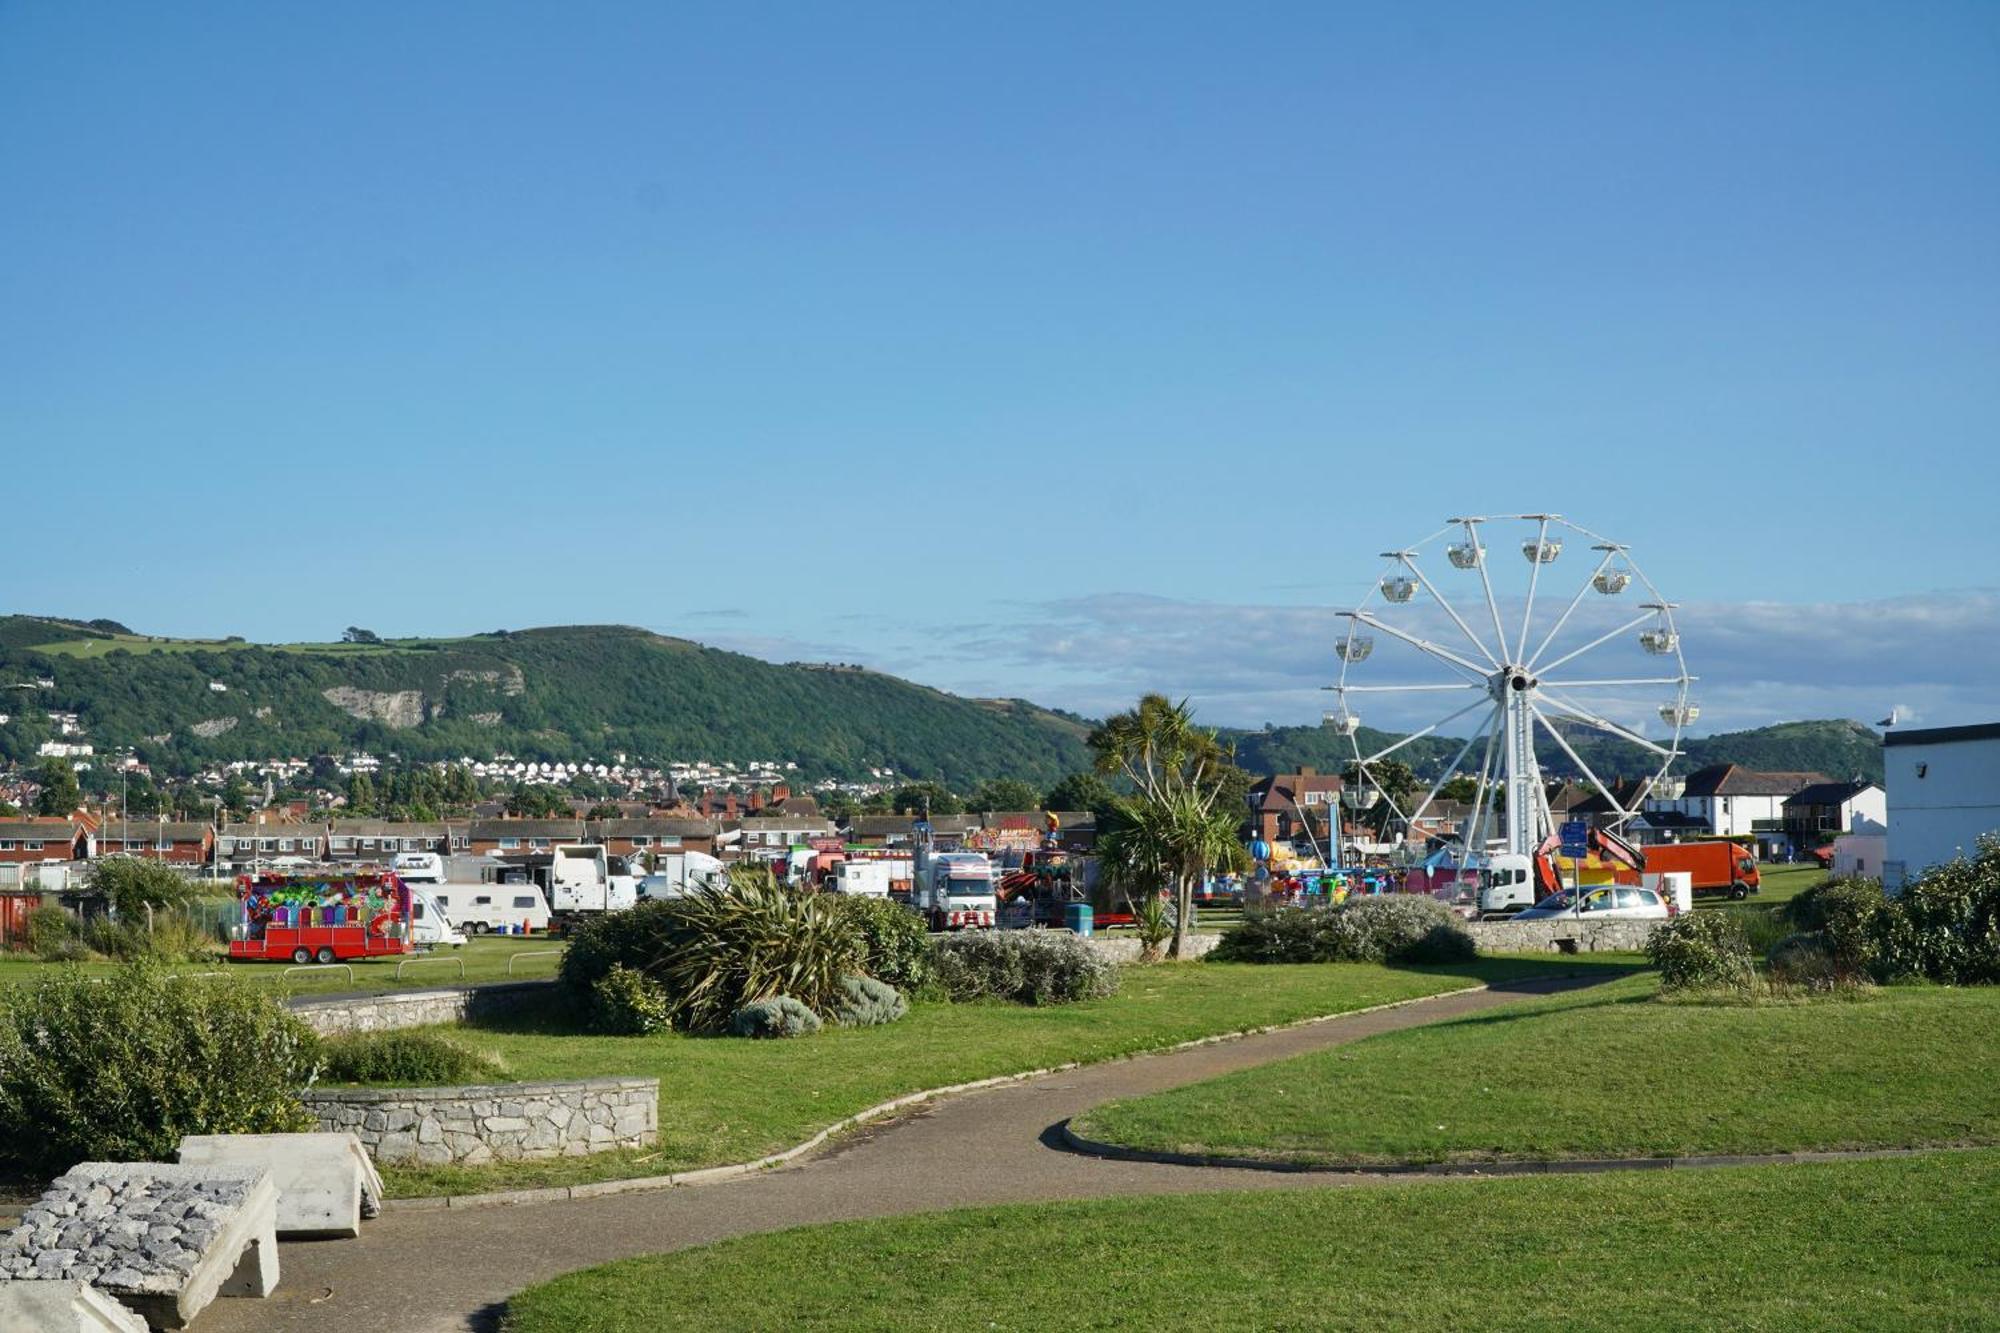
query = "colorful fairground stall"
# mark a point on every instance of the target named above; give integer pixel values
(321, 918)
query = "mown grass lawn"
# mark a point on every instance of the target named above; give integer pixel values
(725, 1099)
(1777, 885)
(1895, 1244)
(1611, 1072)
(485, 960)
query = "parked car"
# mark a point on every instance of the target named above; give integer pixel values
(1606, 902)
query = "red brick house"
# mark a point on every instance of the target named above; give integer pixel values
(1289, 805)
(181, 843)
(655, 833)
(31, 839)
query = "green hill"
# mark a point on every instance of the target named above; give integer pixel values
(569, 692)
(1836, 747)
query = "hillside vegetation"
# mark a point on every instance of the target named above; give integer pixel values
(569, 692)
(1835, 747)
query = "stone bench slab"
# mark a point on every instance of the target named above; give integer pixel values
(326, 1182)
(164, 1239)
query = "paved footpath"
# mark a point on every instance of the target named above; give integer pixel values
(433, 1271)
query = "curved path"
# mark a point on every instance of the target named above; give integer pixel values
(429, 1271)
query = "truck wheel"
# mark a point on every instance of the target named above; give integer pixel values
(302, 955)
(325, 954)
(475, 927)
(1738, 890)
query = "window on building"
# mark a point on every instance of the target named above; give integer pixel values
(509, 844)
(538, 842)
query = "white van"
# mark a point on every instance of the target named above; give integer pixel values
(478, 909)
(419, 867)
(429, 926)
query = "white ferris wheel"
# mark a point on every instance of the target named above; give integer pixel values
(1505, 676)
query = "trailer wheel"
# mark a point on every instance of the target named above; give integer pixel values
(325, 954)
(302, 955)
(1738, 890)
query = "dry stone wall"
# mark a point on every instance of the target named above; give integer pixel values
(506, 1122)
(1563, 936)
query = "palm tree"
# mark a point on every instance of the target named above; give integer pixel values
(1176, 824)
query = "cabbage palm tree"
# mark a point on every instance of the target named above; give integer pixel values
(1176, 824)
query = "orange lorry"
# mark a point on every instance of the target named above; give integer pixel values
(1715, 867)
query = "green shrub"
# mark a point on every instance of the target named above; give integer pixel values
(719, 948)
(49, 932)
(1844, 911)
(1945, 924)
(1697, 949)
(171, 936)
(121, 1068)
(625, 1002)
(895, 946)
(133, 883)
(1390, 928)
(866, 1002)
(1025, 966)
(408, 1058)
(779, 1016)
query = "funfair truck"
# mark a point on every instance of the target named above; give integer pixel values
(320, 918)
(954, 890)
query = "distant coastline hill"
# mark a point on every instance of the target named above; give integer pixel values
(560, 693)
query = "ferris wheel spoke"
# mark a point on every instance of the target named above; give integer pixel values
(1574, 602)
(1486, 582)
(1477, 671)
(1450, 768)
(1585, 715)
(1631, 624)
(1449, 610)
(1577, 759)
(1534, 578)
(1479, 796)
(1633, 680)
(1382, 754)
(1404, 689)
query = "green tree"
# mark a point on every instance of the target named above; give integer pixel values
(537, 802)
(133, 883)
(1176, 825)
(604, 810)
(360, 794)
(236, 796)
(1460, 788)
(917, 797)
(1081, 791)
(355, 634)
(59, 794)
(1398, 785)
(1005, 794)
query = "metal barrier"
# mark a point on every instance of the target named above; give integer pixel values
(410, 962)
(531, 953)
(319, 967)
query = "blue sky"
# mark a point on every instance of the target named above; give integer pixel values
(1050, 350)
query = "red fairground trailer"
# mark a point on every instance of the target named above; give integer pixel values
(321, 918)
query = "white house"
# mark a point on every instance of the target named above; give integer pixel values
(1729, 801)
(1816, 815)
(1944, 791)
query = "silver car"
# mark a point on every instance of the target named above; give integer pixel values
(1601, 902)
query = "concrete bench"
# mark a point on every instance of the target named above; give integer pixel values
(164, 1239)
(326, 1182)
(52, 1305)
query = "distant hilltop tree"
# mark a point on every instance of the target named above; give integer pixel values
(355, 634)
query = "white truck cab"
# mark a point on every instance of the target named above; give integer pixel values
(1507, 884)
(955, 890)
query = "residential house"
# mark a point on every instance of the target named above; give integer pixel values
(500, 837)
(1288, 807)
(31, 839)
(1943, 796)
(246, 844)
(1818, 814)
(381, 839)
(1731, 801)
(653, 833)
(178, 842)
(782, 830)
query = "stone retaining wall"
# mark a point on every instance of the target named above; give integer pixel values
(1567, 936)
(330, 1016)
(504, 1122)
(1125, 948)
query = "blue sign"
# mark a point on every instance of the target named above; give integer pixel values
(1576, 831)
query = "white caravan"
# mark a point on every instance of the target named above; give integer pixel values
(430, 924)
(678, 873)
(864, 879)
(499, 909)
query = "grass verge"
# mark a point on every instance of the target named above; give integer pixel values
(1607, 1073)
(1876, 1245)
(729, 1100)
(485, 960)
